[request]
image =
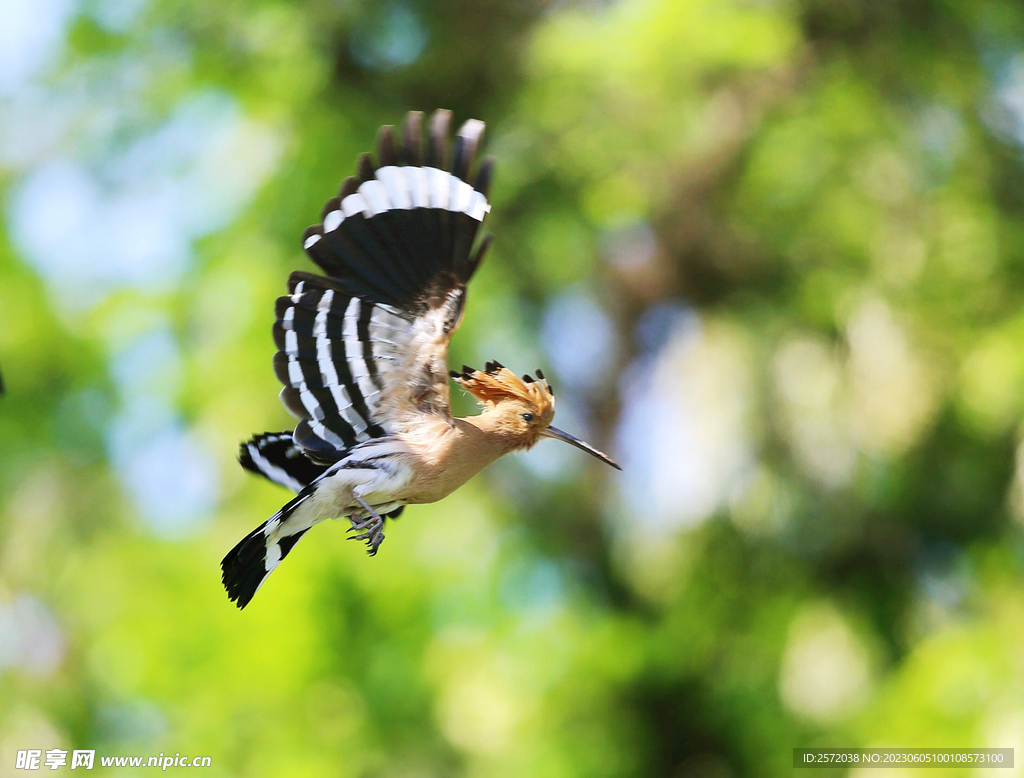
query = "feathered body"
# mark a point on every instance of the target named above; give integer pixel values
(363, 354)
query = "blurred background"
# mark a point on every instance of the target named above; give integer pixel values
(770, 254)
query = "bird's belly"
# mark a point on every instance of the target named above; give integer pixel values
(336, 495)
(425, 490)
(422, 497)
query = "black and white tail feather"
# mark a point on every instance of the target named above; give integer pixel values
(249, 563)
(365, 346)
(258, 554)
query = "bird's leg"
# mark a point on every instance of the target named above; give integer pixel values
(357, 524)
(374, 526)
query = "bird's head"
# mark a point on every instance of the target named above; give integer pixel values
(524, 407)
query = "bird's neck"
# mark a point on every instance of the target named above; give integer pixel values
(487, 436)
(448, 455)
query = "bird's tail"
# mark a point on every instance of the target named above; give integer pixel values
(248, 564)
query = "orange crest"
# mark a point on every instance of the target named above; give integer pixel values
(496, 382)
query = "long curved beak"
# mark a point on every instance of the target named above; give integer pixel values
(554, 432)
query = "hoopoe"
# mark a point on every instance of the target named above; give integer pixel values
(363, 354)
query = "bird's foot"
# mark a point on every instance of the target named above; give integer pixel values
(371, 529)
(372, 532)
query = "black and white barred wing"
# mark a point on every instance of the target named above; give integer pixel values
(338, 357)
(363, 351)
(275, 456)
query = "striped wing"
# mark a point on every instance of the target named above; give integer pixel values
(349, 366)
(364, 350)
(275, 456)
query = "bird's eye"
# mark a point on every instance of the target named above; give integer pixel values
(527, 417)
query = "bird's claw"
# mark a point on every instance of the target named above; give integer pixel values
(373, 534)
(357, 525)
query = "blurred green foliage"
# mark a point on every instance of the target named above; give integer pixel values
(801, 223)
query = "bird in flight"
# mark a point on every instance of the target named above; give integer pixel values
(363, 349)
